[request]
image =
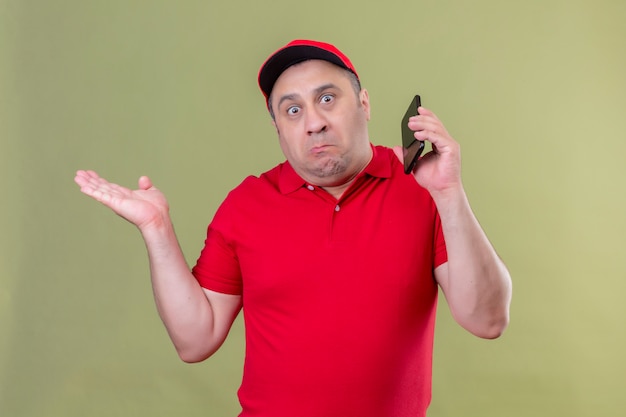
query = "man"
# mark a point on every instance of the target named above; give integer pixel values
(335, 255)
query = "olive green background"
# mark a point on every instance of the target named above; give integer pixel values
(534, 92)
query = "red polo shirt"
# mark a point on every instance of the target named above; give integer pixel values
(339, 297)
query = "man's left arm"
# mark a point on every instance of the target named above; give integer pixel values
(475, 281)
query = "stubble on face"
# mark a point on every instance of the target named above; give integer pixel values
(330, 165)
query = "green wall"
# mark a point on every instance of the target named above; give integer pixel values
(534, 92)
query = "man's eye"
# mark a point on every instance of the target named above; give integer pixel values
(326, 98)
(293, 110)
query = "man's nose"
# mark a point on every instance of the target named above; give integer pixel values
(315, 121)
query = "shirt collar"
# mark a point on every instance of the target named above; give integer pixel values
(379, 166)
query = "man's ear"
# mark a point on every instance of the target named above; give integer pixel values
(364, 98)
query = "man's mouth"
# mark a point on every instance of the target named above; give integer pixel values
(319, 148)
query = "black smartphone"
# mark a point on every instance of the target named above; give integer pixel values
(412, 148)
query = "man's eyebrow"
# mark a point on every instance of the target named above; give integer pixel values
(316, 91)
(324, 87)
(285, 98)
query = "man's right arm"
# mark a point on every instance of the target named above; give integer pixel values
(197, 320)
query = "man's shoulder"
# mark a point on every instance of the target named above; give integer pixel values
(384, 162)
(252, 185)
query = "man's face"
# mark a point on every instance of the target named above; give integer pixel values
(321, 122)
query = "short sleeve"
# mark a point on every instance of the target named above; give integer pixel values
(217, 268)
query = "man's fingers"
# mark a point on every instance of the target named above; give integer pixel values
(96, 187)
(423, 111)
(417, 123)
(428, 127)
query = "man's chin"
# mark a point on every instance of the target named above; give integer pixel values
(329, 167)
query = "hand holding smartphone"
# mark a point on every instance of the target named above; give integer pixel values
(412, 148)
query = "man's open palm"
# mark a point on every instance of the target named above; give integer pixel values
(142, 207)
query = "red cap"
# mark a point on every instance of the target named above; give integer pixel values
(297, 51)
